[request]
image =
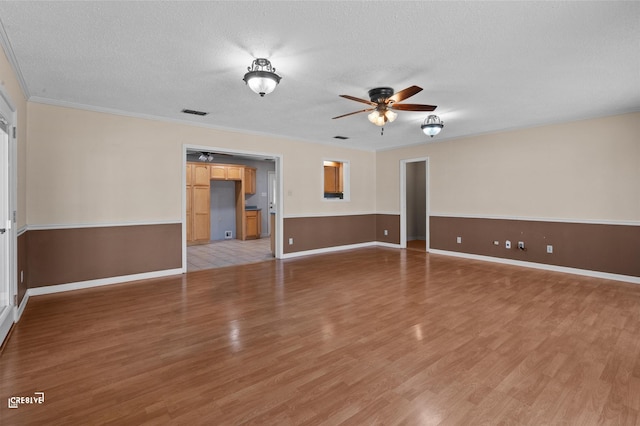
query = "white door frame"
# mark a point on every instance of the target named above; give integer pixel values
(272, 183)
(403, 199)
(9, 313)
(258, 156)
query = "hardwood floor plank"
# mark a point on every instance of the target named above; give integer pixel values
(368, 336)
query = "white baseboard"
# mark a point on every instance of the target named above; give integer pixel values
(555, 268)
(328, 250)
(390, 245)
(23, 305)
(6, 321)
(340, 248)
(36, 291)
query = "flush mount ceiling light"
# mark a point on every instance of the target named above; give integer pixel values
(432, 125)
(205, 156)
(262, 77)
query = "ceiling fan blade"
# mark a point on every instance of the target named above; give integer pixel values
(413, 107)
(404, 94)
(355, 112)
(364, 101)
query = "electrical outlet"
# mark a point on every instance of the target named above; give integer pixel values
(496, 243)
(459, 240)
(521, 245)
(290, 241)
(507, 244)
(549, 248)
(386, 232)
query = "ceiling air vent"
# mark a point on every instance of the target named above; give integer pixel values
(341, 137)
(194, 112)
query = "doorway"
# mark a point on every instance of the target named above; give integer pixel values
(227, 244)
(8, 288)
(414, 217)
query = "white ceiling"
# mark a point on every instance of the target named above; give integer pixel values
(489, 66)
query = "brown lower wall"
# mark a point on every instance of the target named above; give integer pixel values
(21, 279)
(311, 233)
(596, 247)
(61, 256)
(390, 223)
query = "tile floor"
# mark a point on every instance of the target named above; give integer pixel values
(218, 254)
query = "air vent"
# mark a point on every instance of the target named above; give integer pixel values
(341, 137)
(194, 112)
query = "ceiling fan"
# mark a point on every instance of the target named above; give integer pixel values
(383, 103)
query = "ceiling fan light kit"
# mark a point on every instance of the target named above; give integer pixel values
(262, 77)
(380, 117)
(206, 156)
(383, 103)
(432, 125)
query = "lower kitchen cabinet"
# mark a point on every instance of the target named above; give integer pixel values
(253, 223)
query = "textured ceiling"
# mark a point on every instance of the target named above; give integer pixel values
(489, 66)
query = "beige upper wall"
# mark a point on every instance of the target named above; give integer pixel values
(79, 167)
(11, 86)
(585, 170)
(87, 167)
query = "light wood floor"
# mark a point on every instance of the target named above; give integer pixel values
(370, 336)
(218, 254)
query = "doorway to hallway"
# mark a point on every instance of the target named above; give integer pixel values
(414, 204)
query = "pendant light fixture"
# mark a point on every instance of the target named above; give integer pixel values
(432, 125)
(262, 77)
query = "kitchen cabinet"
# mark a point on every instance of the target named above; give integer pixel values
(198, 203)
(332, 179)
(225, 172)
(198, 200)
(201, 205)
(200, 174)
(218, 172)
(249, 180)
(234, 172)
(253, 224)
(189, 194)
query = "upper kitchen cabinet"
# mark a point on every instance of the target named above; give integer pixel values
(200, 175)
(234, 173)
(249, 180)
(225, 172)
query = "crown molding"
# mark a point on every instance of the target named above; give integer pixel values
(115, 111)
(11, 57)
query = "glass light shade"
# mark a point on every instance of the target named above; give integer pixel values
(432, 125)
(377, 118)
(262, 77)
(202, 157)
(261, 82)
(391, 115)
